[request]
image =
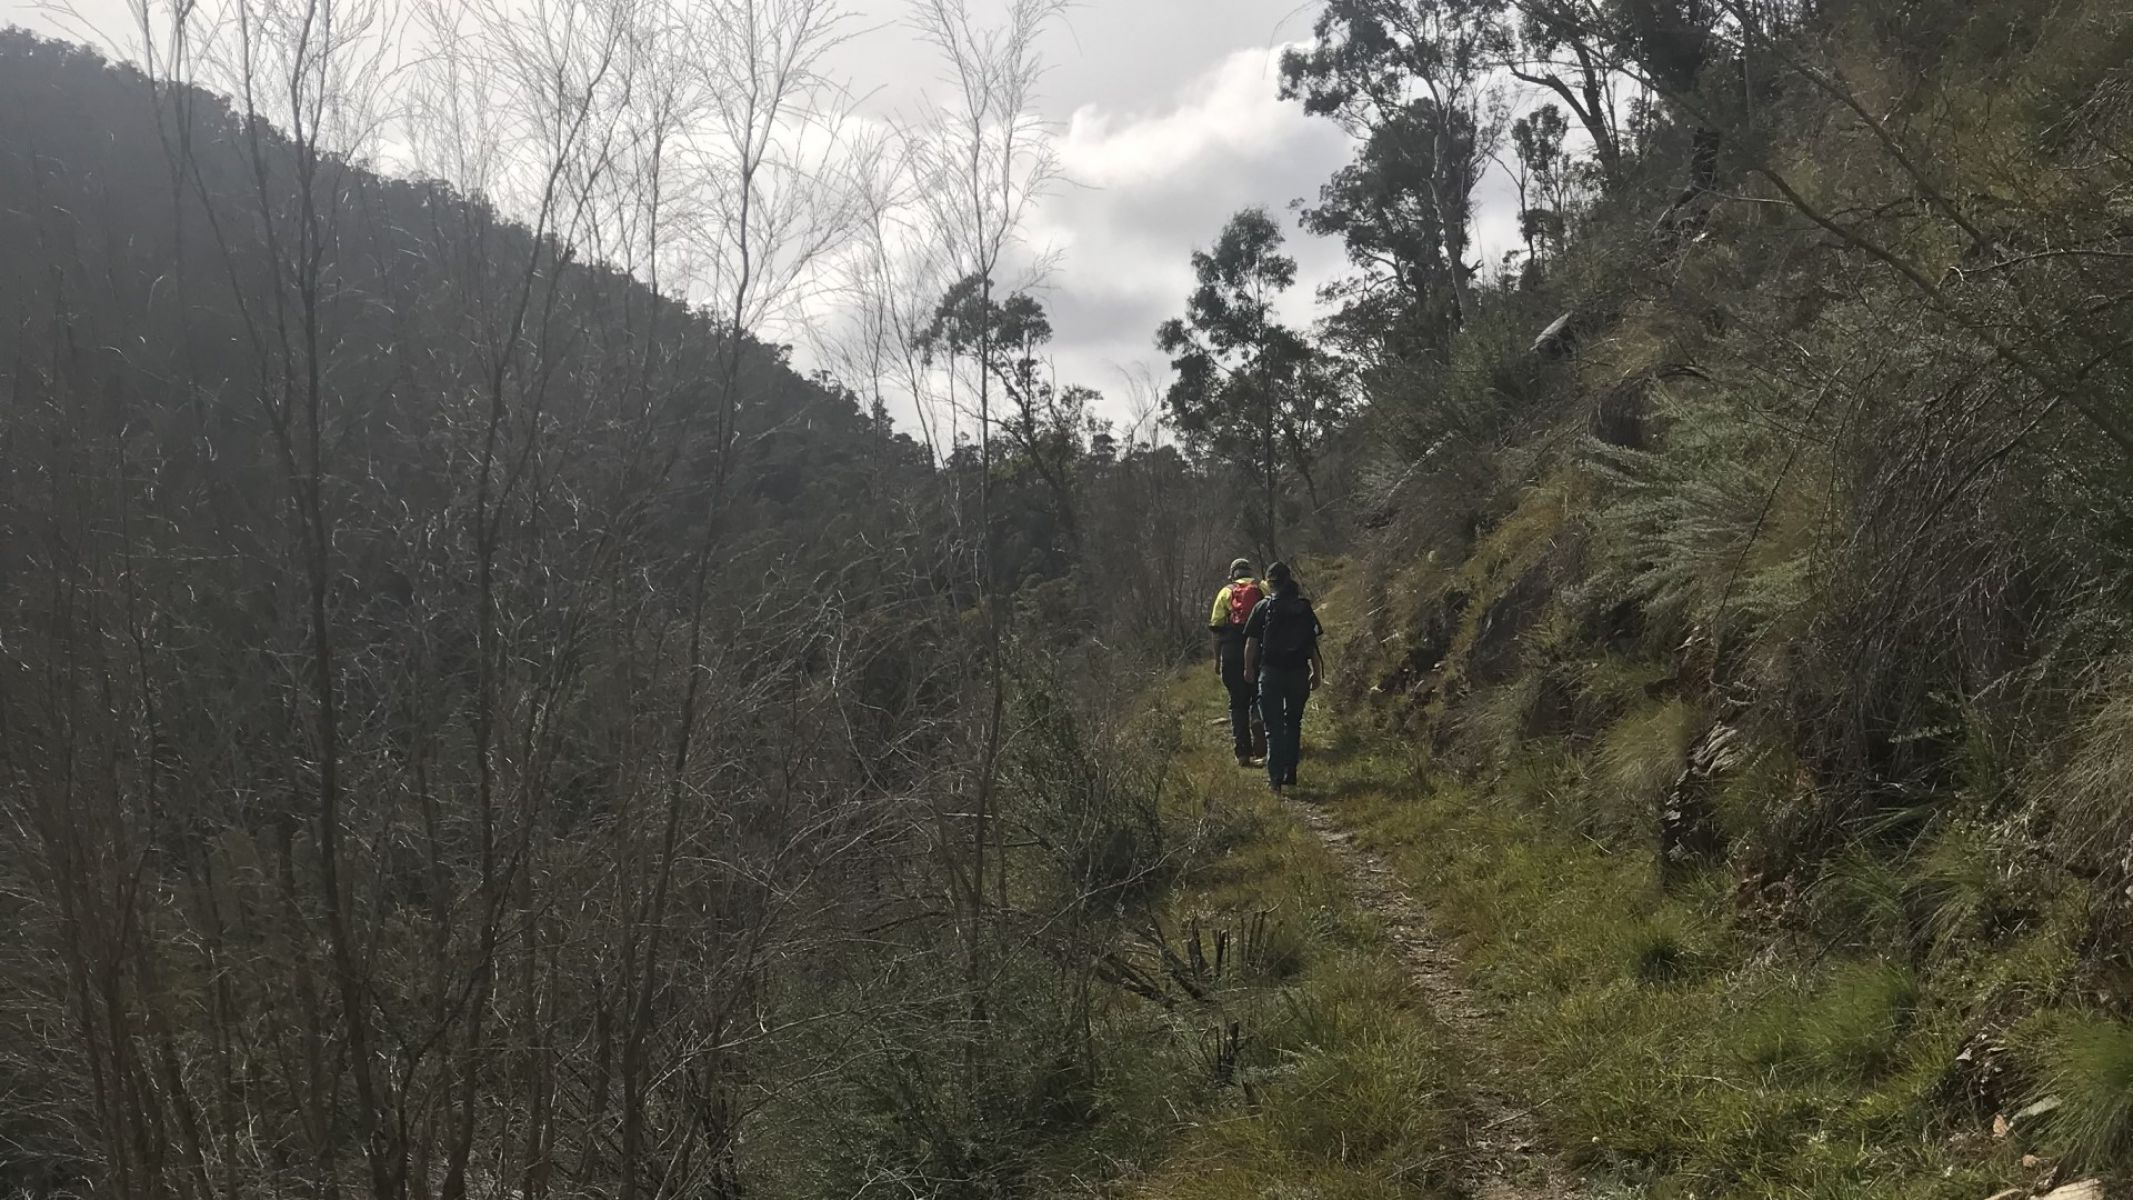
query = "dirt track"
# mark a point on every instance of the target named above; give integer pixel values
(1505, 1151)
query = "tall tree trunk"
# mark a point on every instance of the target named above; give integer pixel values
(1273, 519)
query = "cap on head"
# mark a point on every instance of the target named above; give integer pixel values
(1239, 568)
(1279, 572)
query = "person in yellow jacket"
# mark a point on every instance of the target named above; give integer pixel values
(1233, 607)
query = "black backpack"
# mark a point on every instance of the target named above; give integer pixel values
(1291, 631)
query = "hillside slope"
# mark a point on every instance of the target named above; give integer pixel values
(1783, 588)
(367, 558)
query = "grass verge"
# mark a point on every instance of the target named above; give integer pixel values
(1672, 1051)
(1309, 1067)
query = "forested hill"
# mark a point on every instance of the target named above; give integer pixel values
(144, 229)
(366, 555)
(472, 722)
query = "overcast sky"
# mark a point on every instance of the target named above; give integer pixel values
(1167, 121)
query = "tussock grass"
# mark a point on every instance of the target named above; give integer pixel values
(1610, 685)
(1861, 897)
(1643, 752)
(1497, 720)
(1547, 774)
(1359, 1073)
(1763, 808)
(1665, 948)
(1951, 898)
(1637, 758)
(2086, 1069)
(1852, 1029)
(1964, 893)
(2090, 787)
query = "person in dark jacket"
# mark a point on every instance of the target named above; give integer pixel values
(1233, 606)
(1281, 659)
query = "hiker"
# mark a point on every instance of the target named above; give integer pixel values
(1233, 607)
(1281, 658)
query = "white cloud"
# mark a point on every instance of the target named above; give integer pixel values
(1140, 187)
(1145, 188)
(1229, 110)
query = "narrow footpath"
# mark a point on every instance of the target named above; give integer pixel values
(1506, 1153)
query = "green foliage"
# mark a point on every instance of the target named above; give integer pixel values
(1402, 210)
(1249, 389)
(1318, 1072)
(1851, 1029)
(1490, 384)
(959, 1116)
(1778, 495)
(1523, 538)
(2090, 786)
(1965, 891)
(1091, 794)
(1501, 591)
(1762, 807)
(1497, 721)
(2085, 1070)
(1638, 757)
(1367, 1068)
(1718, 527)
(1949, 895)
(1610, 685)
(2082, 1085)
(1861, 898)
(1147, 838)
(1664, 948)
(1547, 774)
(1681, 1054)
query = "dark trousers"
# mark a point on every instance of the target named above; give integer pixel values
(1283, 692)
(1244, 726)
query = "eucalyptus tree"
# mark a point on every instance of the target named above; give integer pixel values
(1413, 80)
(1041, 419)
(1247, 386)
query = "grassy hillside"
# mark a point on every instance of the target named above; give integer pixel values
(1755, 651)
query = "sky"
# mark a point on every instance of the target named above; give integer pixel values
(1166, 119)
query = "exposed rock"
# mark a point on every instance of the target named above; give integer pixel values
(1556, 338)
(2086, 1189)
(2028, 1116)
